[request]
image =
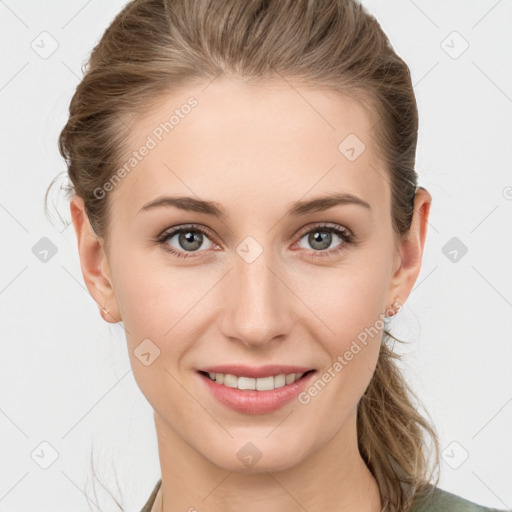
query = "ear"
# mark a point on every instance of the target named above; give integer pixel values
(93, 261)
(410, 251)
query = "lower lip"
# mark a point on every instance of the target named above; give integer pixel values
(249, 401)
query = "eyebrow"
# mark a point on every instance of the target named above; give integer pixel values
(297, 208)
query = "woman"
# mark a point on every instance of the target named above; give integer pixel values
(246, 204)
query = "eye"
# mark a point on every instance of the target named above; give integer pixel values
(188, 239)
(321, 237)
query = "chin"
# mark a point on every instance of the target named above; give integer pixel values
(258, 457)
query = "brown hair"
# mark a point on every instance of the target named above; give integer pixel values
(154, 46)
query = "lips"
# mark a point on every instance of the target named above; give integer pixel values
(250, 401)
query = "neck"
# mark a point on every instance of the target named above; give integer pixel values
(334, 477)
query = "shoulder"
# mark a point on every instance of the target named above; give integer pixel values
(439, 500)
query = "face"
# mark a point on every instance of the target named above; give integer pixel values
(269, 280)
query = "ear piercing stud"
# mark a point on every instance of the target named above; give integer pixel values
(394, 309)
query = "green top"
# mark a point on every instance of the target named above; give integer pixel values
(440, 501)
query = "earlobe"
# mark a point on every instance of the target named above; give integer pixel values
(93, 262)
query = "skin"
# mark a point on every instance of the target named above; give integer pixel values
(255, 149)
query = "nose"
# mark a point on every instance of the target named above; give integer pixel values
(257, 306)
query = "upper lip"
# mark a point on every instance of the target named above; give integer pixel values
(240, 370)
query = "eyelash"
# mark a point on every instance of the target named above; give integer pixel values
(343, 233)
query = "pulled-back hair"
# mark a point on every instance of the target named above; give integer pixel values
(154, 47)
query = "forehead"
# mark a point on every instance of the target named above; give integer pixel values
(241, 143)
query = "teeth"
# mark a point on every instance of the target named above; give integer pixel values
(260, 384)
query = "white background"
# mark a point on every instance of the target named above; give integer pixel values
(65, 377)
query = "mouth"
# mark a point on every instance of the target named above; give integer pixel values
(264, 383)
(251, 390)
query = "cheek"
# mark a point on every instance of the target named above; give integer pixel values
(348, 300)
(154, 316)
(350, 306)
(164, 311)
(352, 323)
(152, 296)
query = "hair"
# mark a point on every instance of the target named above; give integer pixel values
(153, 47)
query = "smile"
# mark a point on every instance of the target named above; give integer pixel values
(255, 395)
